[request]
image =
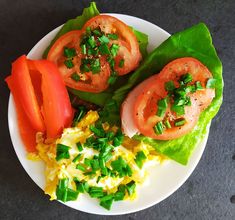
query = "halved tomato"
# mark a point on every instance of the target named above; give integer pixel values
(128, 45)
(152, 90)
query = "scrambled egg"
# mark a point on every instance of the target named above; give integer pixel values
(66, 168)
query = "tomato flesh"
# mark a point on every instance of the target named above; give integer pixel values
(144, 113)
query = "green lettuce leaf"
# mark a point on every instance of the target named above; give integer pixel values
(75, 24)
(193, 42)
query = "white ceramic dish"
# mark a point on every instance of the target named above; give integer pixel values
(163, 180)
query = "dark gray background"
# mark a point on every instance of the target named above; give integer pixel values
(208, 191)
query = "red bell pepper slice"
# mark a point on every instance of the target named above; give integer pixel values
(41, 99)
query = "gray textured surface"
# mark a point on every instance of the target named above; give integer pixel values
(207, 193)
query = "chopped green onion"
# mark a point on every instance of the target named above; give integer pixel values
(90, 141)
(97, 32)
(88, 30)
(79, 115)
(83, 47)
(179, 110)
(91, 41)
(211, 83)
(162, 105)
(69, 64)
(118, 196)
(179, 102)
(131, 187)
(95, 66)
(110, 135)
(139, 158)
(80, 187)
(69, 52)
(180, 122)
(113, 36)
(121, 63)
(198, 85)
(167, 124)
(71, 195)
(107, 204)
(104, 49)
(114, 49)
(62, 152)
(79, 146)
(102, 163)
(96, 192)
(95, 164)
(80, 167)
(99, 132)
(75, 77)
(77, 158)
(186, 78)
(103, 39)
(187, 101)
(87, 162)
(84, 68)
(158, 128)
(169, 86)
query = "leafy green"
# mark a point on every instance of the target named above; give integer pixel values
(194, 42)
(75, 24)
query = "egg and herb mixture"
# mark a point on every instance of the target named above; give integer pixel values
(97, 159)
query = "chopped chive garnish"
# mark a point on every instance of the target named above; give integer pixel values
(102, 163)
(83, 47)
(113, 36)
(95, 164)
(162, 105)
(167, 124)
(84, 68)
(80, 167)
(62, 152)
(169, 86)
(111, 62)
(79, 115)
(121, 63)
(96, 192)
(87, 162)
(69, 52)
(106, 197)
(114, 49)
(104, 49)
(211, 83)
(99, 132)
(80, 187)
(179, 110)
(107, 204)
(198, 85)
(179, 102)
(180, 122)
(139, 158)
(131, 187)
(95, 66)
(186, 78)
(187, 101)
(97, 32)
(69, 64)
(91, 41)
(103, 39)
(158, 128)
(75, 77)
(110, 135)
(79, 146)
(88, 30)
(77, 158)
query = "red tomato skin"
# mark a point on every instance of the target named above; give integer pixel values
(129, 47)
(145, 106)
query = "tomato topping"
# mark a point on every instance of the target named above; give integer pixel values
(158, 112)
(128, 44)
(91, 59)
(41, 99)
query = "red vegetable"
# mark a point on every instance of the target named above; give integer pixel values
(41, 99)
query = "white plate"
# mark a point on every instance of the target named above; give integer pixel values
(164, 179)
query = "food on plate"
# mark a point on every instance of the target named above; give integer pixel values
(96, 159)
(167, 105)
(42, 101)
(131, 110)
(91, 59)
